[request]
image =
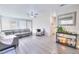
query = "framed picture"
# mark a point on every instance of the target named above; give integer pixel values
(67, 19)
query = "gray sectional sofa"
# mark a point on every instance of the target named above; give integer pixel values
(5, 46)
(19, 33)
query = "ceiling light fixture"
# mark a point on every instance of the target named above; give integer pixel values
(32, 13)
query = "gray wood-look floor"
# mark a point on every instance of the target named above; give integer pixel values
(42, 45)
(35, 45)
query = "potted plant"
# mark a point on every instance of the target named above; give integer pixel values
(60, 29)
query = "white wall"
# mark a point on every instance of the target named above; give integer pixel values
(68, 9)
(42, 21)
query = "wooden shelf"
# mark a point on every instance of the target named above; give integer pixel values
(66, 39)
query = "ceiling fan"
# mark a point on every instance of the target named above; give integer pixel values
(32, 13)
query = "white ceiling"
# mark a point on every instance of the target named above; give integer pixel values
(21, 10)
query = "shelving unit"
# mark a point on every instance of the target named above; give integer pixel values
(67, 39)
